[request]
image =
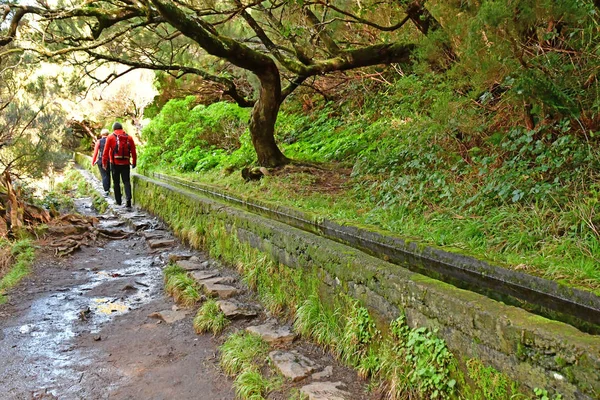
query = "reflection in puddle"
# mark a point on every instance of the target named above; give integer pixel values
(44, 346)
(109, 306)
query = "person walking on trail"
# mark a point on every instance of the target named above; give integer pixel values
(119, 151)
(97, 159)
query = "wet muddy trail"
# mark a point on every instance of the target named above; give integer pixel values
(84, 326)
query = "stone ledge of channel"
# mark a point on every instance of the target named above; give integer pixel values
(530, 349)
(515, 287)
(482, 277)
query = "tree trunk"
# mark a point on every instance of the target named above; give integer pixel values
(264, 116)
(421, 17)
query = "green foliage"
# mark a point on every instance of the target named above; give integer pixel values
(22, 255)
(210, 318)
(241, 351)
(316, 321)
(185, 137)
(98, 202)
(243, 355)
(358, 333)
(542, 394)
(58, 202)
(181, 286)
(73, 181)
(251, 385)
(416, 361)
(407, 361)
(488, 383)
(172, 269)
(32, 118)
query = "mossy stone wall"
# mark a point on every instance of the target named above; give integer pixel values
(532, 350)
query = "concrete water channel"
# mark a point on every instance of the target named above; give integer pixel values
(541, 296)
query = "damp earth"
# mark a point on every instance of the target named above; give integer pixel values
(81, 326)
(96, 324)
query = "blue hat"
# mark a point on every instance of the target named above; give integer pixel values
(117, 125)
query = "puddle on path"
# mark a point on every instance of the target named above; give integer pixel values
(38, 347)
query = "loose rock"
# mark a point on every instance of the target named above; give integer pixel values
(292, 364)
(233, 310)
(325, 391)
(220, 291)
(160, 243)
(276, 336)
(189, 265)
(169, 316)
(201, 276)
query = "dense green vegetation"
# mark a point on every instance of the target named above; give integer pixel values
(474, 127)
(495, 154)
(466, 124)
(16, 259)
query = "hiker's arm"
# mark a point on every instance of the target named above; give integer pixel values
(133, 152)
(95, 157)
(107, 150)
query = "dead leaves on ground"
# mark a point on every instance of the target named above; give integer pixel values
(69, 232)
(65, 234)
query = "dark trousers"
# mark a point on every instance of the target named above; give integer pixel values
(121, 172)
(105, 173)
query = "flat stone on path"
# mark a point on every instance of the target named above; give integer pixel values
(224, 280)
(189, 265)
(169, 316)
(160, 243)
(325, 391)
(272, 334)
(111, 224)
(154, 235)
(232, 310)
(138, 225)
(221, 291)
(292, 364)
(201, 276)
(326, 373)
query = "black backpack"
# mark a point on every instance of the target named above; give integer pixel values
(101, 150)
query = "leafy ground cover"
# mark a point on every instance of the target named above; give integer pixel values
(525, 199)
(492, 152)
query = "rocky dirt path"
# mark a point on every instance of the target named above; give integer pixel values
(80, 327)
(97, 325)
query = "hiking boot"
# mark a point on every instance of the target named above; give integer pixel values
(106, 192)
(128, 205)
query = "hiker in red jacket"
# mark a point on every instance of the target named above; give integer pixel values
(120, 152)
(97, 159)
